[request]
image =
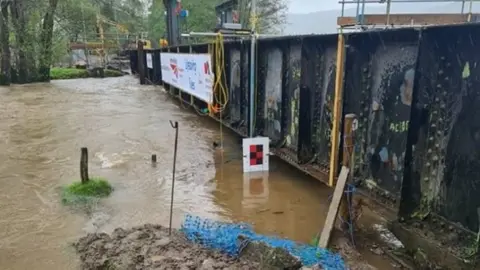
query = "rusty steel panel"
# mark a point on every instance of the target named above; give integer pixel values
(379, 90)
(323, 130)
(316, 99)
(445, 174)
(409, 19)
(291, 97)
(245, 84)
(272, 106)
(234, 88)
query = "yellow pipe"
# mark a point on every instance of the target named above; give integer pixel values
(337, 110)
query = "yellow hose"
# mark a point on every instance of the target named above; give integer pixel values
(220, 90)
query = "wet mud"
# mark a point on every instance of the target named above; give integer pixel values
(151, 247)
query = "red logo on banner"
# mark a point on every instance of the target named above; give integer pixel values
(206, 68)
(174, 69)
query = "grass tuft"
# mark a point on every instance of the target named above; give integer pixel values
(83, 193)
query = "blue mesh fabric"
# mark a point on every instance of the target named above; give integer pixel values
(223, 236)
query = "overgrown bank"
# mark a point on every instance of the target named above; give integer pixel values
(74, 73)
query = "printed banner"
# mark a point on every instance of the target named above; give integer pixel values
(192, 73)
(149, 61)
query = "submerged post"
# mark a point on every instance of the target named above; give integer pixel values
(141, 62)
(84, 165)
(175, 126)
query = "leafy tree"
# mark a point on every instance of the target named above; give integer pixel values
(35, 33)
(202, 17)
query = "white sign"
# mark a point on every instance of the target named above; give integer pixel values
(191, 73)
(256, 152)
(149, 60)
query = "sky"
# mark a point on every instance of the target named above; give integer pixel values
(307, 6)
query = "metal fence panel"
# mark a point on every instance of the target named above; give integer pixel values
(445, 175)
(379, 90)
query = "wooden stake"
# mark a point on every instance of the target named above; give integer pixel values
(84, 165)
(348, 148)
(333, 208)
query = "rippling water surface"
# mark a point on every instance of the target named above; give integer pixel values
(43, 127)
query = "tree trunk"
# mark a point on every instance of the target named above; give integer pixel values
(46, 40)
(17, 10)
(5, 77)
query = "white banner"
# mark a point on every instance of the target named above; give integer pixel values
(191, 73)
(149, 60)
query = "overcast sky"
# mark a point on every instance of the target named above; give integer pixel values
(306, 6)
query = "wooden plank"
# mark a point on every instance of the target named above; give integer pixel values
(337, 110)
(333, 208)
(409, 19)
(98, 45)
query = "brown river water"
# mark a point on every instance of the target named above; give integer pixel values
(43, 127)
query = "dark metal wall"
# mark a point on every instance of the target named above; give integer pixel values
(415, 95)
(444, 176)
(379, 75)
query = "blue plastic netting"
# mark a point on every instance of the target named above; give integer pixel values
(223, 236)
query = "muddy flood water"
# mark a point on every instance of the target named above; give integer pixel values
(43, 127)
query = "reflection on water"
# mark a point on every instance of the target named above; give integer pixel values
(255, 189)
(42, 128)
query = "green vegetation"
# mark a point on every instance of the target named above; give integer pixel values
(74, 73)
(202, 17)
(94, 189)
(36, 34)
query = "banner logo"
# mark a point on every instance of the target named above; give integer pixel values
(206, 68)
(174, 66)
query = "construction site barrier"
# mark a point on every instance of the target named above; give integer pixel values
(414, 91)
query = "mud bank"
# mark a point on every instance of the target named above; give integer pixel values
(151, 247)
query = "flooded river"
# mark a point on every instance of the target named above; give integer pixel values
(43, 127)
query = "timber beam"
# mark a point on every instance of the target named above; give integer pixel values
(409, 19)
(97, 45)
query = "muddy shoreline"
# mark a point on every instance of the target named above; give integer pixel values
(150, 247)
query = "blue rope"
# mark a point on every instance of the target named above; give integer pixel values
(350, 189)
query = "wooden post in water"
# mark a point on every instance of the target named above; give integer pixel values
(84, 165)
(141, 62)
(349, 128)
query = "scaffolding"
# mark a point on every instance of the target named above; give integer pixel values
(364, 21)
